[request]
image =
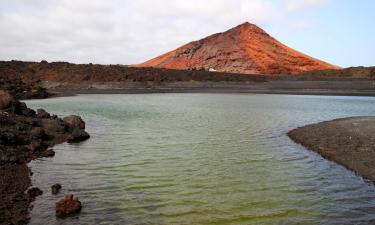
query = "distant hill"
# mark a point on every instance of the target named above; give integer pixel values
(243, 49)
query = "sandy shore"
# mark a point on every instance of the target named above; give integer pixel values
(348, 141)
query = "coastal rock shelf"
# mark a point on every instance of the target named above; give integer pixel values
(26, 135)
(347, 141)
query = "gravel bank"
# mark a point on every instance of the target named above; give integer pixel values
(347, 141)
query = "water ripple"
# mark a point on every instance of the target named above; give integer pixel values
(201, 159)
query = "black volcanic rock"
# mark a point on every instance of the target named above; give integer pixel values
(24, 136)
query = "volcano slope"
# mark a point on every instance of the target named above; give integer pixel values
(245, 49)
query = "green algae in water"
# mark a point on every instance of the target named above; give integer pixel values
(201, 159)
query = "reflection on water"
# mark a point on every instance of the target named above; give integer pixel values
(201, 159)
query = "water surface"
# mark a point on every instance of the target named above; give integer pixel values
(201, 159)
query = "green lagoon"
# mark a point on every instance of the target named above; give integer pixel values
(201, 159)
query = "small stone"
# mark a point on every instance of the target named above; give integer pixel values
(34, 192)
(68, 206)
(56, 189)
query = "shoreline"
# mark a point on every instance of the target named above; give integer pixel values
(308, 133)
(26, 135)
(215, 90)
(347, 141)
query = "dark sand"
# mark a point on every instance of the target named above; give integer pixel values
(347, 141)
(333, 87)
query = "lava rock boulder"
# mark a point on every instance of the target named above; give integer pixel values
(68, 206)
(75, 122)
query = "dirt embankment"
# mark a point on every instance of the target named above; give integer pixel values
(348, 141)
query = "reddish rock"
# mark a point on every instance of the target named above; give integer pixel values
(68, 206)
(244, 49)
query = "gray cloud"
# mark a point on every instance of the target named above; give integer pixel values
(126, 32)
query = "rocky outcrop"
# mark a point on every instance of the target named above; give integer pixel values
(20, 86)
(78, 136)
(24, 136)
(75, 122)
(68, 206)
(244, 49)
(77, 129)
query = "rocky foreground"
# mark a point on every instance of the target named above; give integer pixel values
(26, 135)
(348, 141)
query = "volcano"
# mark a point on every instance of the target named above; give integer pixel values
(243, 49)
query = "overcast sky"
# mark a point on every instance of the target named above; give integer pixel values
(131, 31)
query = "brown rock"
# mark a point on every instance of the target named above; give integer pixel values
(68, 206)
(54, 126)
(56, 189)
(78, 136)
(75, 122)
(20, 108)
